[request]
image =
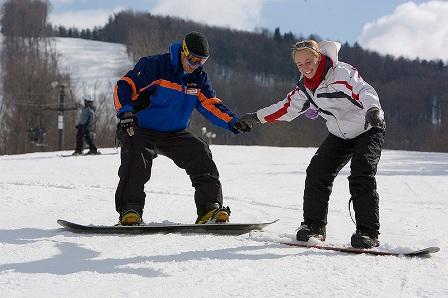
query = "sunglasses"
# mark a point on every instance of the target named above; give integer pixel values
(195, 61)
(302, 45)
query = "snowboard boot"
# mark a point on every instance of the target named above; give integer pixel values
(130, 218)
(307, 231)
(361, 239)
(217, 215)
(93, 152)
(77, 152)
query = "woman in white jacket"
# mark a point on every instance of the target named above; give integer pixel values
(335, 91)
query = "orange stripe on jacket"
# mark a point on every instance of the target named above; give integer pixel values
(134, 94)
(163, 83)
(170, 85)
(131, 83)
(117, 103)
(208, 104)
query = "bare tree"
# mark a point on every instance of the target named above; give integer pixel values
(29, 65)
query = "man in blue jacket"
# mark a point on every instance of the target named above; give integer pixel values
(154, 102)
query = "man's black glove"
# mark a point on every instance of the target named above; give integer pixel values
(374, 117)
(246, 122)
(127, 122)
(143, 101)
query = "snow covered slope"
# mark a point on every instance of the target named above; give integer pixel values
(38, 259)
(94, 66)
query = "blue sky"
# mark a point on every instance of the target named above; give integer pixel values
(387, 26)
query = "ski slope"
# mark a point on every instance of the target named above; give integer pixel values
(94, 66)
(38, 259)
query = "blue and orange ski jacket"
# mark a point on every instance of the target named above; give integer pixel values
(163, 96)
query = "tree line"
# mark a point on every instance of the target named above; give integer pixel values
(249, 70)
(254, 69)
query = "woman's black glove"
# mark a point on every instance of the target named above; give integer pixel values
(374, 117)
(246, 122)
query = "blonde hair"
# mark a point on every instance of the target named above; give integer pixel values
(306, 45)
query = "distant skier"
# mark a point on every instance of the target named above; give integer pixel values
(335, 91)
(154, 102)
(84, 128)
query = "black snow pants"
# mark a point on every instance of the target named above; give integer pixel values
(82, 134)
(334, 153)
(186, 150)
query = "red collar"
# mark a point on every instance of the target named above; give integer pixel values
(314, 82)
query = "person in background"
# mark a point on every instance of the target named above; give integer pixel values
(335, 91)
(84, 128)
(154, 102)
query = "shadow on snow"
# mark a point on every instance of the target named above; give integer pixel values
(74, 258)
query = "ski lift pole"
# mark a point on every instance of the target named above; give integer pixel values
(61, 117)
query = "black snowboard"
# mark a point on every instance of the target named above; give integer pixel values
(415, 253)
(85, 154)
(218, 228)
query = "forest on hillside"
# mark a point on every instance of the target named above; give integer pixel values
(249, 70)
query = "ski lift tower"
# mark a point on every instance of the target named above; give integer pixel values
(61, 109)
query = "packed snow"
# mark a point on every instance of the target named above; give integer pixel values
(40, 259)
(94, 66)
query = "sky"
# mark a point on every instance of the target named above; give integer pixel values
(397, 27)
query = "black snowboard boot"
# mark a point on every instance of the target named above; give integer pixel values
(93, 152)
(361, 239)
(306, 231)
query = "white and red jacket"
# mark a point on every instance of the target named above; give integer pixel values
(342, 98)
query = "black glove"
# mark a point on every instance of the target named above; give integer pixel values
(127, 122)
(143, 101)
(246, 122)
(374, 117)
